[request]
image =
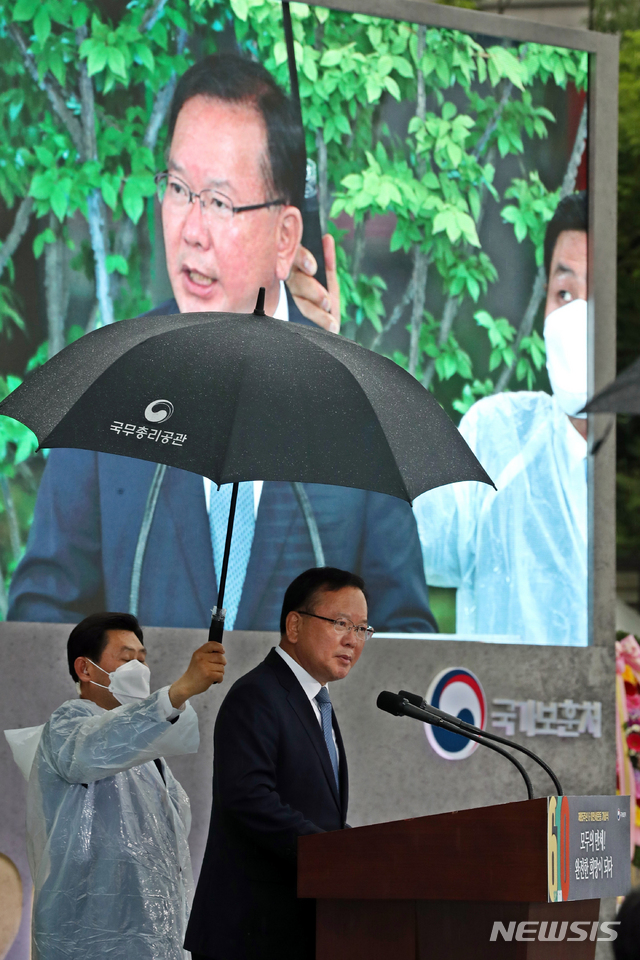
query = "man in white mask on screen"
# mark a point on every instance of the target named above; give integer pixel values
(518, 556)
(107, 823)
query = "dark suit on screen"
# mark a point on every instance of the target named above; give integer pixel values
(272, 782)
(90, 508)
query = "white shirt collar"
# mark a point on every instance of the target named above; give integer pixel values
(310, 686)
(281, 312)
(257, 493)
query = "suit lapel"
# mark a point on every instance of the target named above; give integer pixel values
(300, 704)
(294, 314)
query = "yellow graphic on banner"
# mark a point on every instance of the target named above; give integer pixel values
(552, 849)
(558, 875)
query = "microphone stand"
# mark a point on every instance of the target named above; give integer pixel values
(401, 707)
(418, 701)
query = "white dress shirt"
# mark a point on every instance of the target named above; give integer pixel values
(310, 686)
(281, 312)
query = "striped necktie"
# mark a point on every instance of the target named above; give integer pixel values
(323, 700)
(243, 530)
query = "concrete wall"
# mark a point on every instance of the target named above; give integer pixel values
(393, 771)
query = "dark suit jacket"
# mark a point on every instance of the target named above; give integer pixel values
(88, 514)
(272, 783)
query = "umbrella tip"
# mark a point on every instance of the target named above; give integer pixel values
(259, 310)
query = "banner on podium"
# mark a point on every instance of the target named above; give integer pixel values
(588, 842)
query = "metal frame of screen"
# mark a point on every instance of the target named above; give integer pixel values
(602, 160)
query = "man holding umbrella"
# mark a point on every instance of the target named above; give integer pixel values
(119, 533)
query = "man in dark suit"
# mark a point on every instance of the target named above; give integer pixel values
(279, 772)
(115, 533)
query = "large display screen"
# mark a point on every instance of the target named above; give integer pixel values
(450, 169)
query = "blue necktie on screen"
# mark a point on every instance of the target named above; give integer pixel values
(323, 700)
(243, 530)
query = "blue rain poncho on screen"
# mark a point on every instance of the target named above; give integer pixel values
(518, 556)
(107, 838)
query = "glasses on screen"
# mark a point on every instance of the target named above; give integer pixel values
(342, 626)
(174, 192)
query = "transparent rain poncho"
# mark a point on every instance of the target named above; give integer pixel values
(518, 556)
(107, 838)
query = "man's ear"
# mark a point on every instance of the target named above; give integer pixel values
(292, 624)
(80, 667)
(288, 240)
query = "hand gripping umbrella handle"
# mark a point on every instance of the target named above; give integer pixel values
(216, 627)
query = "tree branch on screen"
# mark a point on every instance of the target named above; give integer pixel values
(96, 210)
(55, 94)
(396, 313)
(83, 105)
(4, 599)
(152, 15)
(449, 315)
(421, 259)
(108, 268)
(17, 232)
(56, 283)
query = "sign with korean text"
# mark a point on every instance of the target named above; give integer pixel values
(146, 433)
(535, 718)
(587, 847)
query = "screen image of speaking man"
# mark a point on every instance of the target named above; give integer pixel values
(279, 772)
(518, 555)
(107, 823)
(231, 198)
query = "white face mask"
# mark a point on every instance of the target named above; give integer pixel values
(130, 682)
(565, 338)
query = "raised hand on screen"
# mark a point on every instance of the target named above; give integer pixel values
(315, 302)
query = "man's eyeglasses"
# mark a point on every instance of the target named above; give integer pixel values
(173, 192)
(343, 626)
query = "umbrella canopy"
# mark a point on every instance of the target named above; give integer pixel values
(621, 396)
(248, 397)
(242, 397)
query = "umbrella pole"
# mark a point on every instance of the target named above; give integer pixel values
(218, 613)
(291, 57)
(312, 235)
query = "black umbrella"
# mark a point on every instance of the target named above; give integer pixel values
(621, 396)
(249, 397)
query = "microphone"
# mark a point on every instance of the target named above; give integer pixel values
(399, 706)
(418, 701)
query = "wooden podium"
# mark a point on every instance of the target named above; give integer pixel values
(433, 887)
